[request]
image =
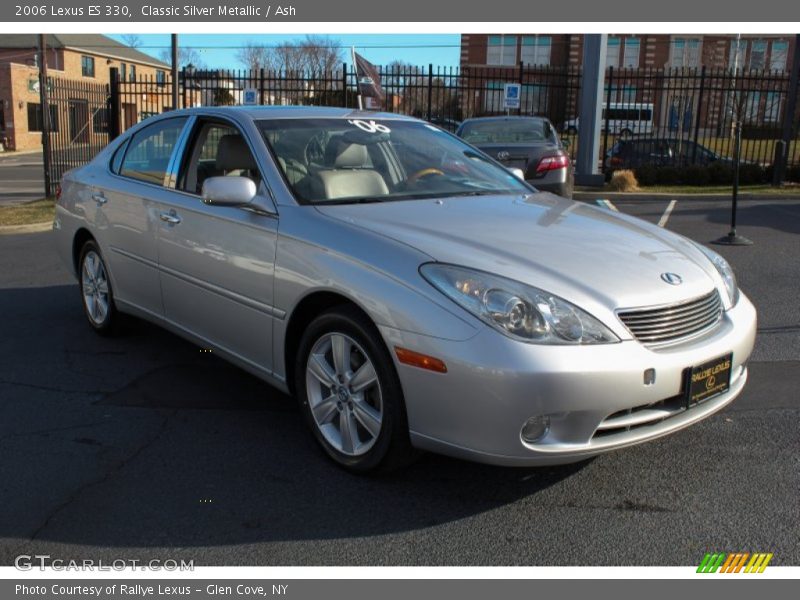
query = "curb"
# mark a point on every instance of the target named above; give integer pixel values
(30, 228)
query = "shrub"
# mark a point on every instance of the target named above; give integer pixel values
(646, 174)
(668, 176)
(750, 174)
(793, 173)
(696, 175)
(623, 181)
(720, 174)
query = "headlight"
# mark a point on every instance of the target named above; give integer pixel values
(725, 272)
(519, 311)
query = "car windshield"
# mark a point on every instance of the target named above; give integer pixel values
(341, 160)
(505, 131)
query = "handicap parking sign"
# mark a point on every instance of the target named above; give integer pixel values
(250, 96)
(511, 95)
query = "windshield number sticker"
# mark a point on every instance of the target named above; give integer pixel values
(370, 126)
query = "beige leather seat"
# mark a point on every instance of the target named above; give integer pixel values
(351, 175)
(234, 158)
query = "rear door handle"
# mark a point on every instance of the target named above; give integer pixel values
(99, 198)
(170, 217)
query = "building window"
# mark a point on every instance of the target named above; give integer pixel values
(501, 50)
(685, 52)
(133, 73)
(123, 72)
(773, 106)
(87, 66)
(534, 99)
(100, 120)
(780, 52)
(536, 49)
(738, 51)
(612, 52)
(161, 78)
(758, 54)
(751, 104)
(35, 117)
(630, 59)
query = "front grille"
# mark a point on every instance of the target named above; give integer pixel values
(673, 323)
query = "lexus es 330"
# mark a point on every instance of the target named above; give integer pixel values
(409, 291)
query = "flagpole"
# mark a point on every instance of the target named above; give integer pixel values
(358, 87)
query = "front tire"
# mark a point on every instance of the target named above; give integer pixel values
(97, 296)
(350, 393)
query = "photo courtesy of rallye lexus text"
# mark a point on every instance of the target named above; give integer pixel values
(406, 288)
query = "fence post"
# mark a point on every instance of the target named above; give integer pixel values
(185, 84)
(605, 121)
(699, 110)
(779, 168)
(114, 104)
(45, 108)
(261, 87)
(430, 91)
(344, 85)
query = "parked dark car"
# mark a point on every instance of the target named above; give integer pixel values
(660, 152)
(530, 144)
(450, 125)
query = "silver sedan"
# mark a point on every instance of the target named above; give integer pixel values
(407, 289)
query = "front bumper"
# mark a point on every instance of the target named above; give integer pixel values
(494, 384)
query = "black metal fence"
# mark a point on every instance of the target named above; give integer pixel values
(78, 124)
(692, 109)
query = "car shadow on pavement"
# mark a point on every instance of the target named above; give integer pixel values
(146, 440)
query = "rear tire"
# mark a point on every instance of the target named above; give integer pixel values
(97, 296)
(350, 393)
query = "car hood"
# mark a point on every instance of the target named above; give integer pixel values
(585, 254)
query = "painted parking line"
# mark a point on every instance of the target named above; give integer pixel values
(665, 217)
(607, 203)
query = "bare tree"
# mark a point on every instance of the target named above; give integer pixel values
(186, 56)
(132, 40)
(256, 56)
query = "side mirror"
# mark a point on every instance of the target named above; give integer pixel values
(228, 191)
(518, 173)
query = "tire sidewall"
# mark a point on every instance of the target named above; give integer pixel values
(394, 424)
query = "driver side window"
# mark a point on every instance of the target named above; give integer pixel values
(218, 150)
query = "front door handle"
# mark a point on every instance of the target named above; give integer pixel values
(170, 217)
(99, 198)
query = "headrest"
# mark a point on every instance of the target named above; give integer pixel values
(351, 156)
(233, 153)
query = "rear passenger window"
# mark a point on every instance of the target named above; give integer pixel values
(148, 153)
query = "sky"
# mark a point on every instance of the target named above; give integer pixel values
(219, 50)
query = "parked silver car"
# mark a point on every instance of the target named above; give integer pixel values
(405, 287)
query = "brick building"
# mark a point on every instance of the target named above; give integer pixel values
(535, 60)
(83, 58)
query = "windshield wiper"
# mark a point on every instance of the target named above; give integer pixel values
(359, 200)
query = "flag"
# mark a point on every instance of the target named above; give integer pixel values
(369, 80)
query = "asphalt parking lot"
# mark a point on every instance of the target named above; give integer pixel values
(143, 447)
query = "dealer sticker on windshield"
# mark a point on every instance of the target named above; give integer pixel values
(710, 379)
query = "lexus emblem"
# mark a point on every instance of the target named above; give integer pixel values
(503, 155)
(672, 278)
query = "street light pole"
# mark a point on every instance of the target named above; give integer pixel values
(733, 238)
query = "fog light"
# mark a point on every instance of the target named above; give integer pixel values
(535, 429)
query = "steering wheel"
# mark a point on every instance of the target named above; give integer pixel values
(425, 173)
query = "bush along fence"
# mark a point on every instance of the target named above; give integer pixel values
(693, 110)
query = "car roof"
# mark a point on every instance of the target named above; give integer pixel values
(291, 112)
(503, 118)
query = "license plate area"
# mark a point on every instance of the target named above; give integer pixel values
(707, 380)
